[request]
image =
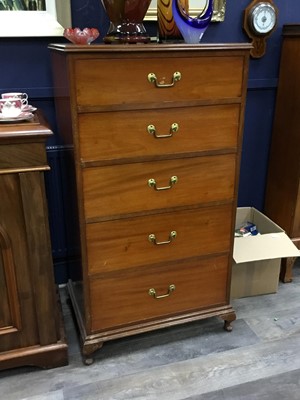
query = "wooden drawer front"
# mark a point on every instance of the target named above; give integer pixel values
(120, 189)
(123, 80)
(123, 244)
(124, 299)
(22, 155)
(124, 134)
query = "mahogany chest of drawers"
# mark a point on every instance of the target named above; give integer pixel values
(156, 131)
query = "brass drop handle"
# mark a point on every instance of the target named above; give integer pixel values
(152, 238)
(152, 292)
(173, 128)
(152, 183)
(153, 79)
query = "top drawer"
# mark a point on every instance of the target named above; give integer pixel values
(124, 81)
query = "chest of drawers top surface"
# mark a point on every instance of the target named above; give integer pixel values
(140, 50)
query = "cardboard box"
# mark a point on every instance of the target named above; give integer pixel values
(257, 259)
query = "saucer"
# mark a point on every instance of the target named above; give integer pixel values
(24, 116)
(28, 108)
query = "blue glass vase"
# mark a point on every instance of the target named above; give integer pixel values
(192, 28)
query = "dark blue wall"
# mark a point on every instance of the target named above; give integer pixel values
(25, 66)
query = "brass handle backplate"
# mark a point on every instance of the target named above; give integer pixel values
(152, 183)
(152, 238)
(152, 292)
(152, 130)
(153, 79)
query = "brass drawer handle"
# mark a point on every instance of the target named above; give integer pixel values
(153, 79)
(152, 183)
(152, 292)
(152, 130)
(152, 238)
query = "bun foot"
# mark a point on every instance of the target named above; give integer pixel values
(228, 318)
(88, 361)
(227, 326)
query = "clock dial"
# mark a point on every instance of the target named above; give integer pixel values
(263, 18)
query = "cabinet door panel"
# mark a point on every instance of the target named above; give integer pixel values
(125, 299)
(122, 189)
(295, 232)
(13, 228)
(123, 244)
(124, 134)
(10, 318)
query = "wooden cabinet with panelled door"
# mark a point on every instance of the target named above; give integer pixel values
(31, 329)
(157, 132)
(282, 199)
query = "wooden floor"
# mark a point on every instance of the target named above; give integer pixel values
(259, 359)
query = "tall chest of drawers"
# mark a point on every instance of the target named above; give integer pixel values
(156, 131)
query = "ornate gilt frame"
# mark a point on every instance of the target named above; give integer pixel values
(218, 14)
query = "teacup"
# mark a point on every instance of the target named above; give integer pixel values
(16, 95)
(10, 107)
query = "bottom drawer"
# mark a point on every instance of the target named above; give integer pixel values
(123, 298)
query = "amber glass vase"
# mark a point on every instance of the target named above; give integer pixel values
(126, 21)
(167, 28)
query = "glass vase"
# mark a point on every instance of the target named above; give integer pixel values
(167, 28)
(126, 21)
(192, 28)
